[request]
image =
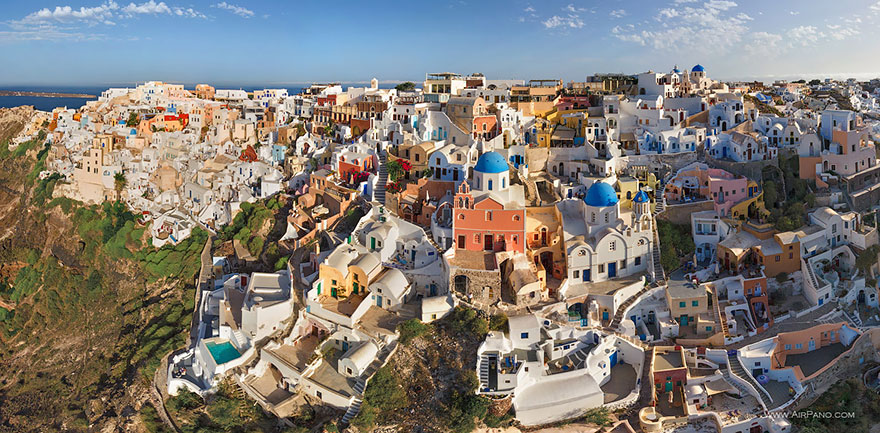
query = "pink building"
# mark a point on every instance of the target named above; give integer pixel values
(699, 182)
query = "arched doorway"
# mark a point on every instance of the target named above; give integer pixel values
(547, 261)
(462, 283)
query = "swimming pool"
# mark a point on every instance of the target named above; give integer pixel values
(223, 352)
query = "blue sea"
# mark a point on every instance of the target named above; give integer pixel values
(47, 104)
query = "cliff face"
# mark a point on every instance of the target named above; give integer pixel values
(87, 307)
(12, 120)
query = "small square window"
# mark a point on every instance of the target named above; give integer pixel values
(523, 335)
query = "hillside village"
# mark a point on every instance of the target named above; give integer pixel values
(683, 253)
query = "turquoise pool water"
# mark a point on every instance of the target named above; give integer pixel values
(223, 352)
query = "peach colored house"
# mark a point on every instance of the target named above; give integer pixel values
(825, 343)
(486, 225)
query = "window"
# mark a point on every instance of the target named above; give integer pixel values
(612, 246)
(799, 346)
(788, 347)
(333, 282)
(757, 363)
(638, 261)
(778, 258)
(708, 329)
(682, 304)
(433, 316)
(623, 264)
(524, 335)
(577, 274)
(695, 303)
(602, 268)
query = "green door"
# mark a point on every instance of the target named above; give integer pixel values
(669, 386)
(372, 243)
(333, 292)
(354, 288)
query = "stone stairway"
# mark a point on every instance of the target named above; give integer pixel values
(379, 193)
(433, 243)
(735, 367)
(352, 411)
(621, 310)
(646, 394)
(656, 266)
(385, 352)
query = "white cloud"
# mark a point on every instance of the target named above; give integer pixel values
(571, 21)
(69, 23)
(794, 12)
(678, 2)
(238, 10)
(618, 13)
(66, 14)
(721, 5)
(529, 9)
(148, 7)
(188, 12)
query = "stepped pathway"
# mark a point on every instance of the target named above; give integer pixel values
(379, 193)
(736, 368)
(385, 352)
(621, 310)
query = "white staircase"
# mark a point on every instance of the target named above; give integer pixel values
(241, 341)
(484, 372)
(352, 411)
(379, 193)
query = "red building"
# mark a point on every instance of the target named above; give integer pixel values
(485, 225)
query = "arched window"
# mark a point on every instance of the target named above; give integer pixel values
(490, 184)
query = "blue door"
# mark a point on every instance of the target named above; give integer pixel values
(820, 301)
(378, 301)
(812, 345)
(612, 270)
(344, 346)
(604, 315)
(613, 359)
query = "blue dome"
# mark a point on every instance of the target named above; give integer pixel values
(491, 162)
(641, 197)
(601, 194)
(698, 68)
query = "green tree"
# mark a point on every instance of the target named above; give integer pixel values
(119, 184)
(407, 86)
(132, 120)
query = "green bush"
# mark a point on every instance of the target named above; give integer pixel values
(675, 243)
(465, 319)
(412, 329)
(384, 391)
(498, 322)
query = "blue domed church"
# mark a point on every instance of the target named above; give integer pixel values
(602, 242)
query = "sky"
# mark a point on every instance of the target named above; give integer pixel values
(260, 42)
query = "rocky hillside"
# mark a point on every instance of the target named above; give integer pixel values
(87, 308)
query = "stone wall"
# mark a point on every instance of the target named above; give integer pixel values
(484, 286)
(752, 169)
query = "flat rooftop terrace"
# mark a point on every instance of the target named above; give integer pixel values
(815, 360)
(476, 260)
(345, 306)
(623, 382)
(297, 356)
(668, 360)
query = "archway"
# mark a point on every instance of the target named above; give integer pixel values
(462, 283)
